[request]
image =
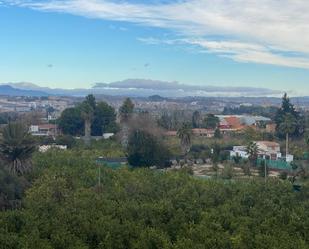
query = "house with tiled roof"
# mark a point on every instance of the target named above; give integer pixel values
(44, 130)
(240, 122)
(269, 149)
(266, 150)
(200, 132)
(204, 132)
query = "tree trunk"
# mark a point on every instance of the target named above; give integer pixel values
(125, 135)
(287, 146)
(87, 132)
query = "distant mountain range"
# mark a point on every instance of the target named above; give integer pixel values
(138, 88)
(8, 90)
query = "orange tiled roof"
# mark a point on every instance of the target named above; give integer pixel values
(234, 122)
(47, 126)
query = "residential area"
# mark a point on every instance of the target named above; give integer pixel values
(195, 138)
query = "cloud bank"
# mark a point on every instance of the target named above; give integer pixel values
(166, 88)
(264, 31)
(148, 87)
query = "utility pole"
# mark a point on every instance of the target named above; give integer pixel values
(99, 161)
(265, 170)
(287, 146)
(99, 175)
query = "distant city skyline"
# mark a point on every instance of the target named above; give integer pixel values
(235, 43)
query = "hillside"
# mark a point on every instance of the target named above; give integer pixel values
(11, 91)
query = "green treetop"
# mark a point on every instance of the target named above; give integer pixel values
(126, 110)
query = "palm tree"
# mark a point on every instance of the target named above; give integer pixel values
(87, 113)
(17, 147)
(125, 113)
(288, 126)
(252, 150)
(185, 134)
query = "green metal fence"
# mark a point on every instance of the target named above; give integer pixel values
(279, 165)
(113, 163)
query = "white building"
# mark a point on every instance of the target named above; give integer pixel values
(266, 150)
(44, 130)
(239, 151)
(269, 150)
(108, 135)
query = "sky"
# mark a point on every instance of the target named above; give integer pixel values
(77, 43)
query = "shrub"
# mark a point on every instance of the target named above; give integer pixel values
(228, 171)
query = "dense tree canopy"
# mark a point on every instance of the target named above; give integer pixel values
(269, 111)
(12, 188)
(91, 101)
(144, 149)
(102, 118)
(144, 209)
(71, 122)
(211, 121)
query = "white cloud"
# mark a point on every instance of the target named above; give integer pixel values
(251, 52)
(238, 51)
(263, 31)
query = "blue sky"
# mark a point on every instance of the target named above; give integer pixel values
(75, 43)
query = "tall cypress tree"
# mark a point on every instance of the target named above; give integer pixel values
(196, 119)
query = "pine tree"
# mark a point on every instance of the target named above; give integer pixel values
(288, 109)
(126, 110)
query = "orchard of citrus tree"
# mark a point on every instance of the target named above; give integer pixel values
(64, 207)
